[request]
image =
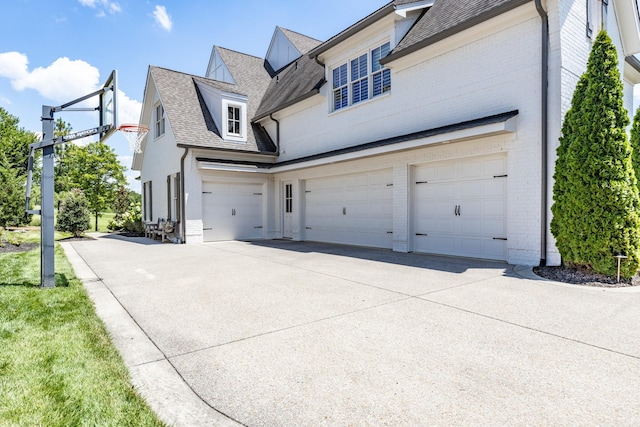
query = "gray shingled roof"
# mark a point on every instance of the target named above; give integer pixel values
(303, 43)
(299, 80)
(363, 23)
(189, 117)
(448, 17)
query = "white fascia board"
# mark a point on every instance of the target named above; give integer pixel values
(501, 128)
(215, 166)
(404, 9)
(628, 16)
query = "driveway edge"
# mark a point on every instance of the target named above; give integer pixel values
(152, 374)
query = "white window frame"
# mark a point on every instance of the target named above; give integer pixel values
(348, 78)
(241, 120)
(233, 120)
(159, 119)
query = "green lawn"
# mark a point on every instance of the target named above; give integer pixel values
(58, 366)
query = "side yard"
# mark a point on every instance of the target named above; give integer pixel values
(58, 366)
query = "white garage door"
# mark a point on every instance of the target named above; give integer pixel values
(350, 209)
(231, 211)
(460, 208)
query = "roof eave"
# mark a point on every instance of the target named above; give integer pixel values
(339, 38)
(229, 150)
(287, 104)
(492, 13)
(633, 62)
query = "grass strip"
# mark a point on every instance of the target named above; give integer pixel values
(58, 366)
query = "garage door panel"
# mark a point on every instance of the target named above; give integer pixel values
(354, 209)
(462, 210)
(494, 227)
(471, 226)
(231, 211)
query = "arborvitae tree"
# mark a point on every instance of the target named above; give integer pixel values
(635, 144)
(561, 187)
(597, 206)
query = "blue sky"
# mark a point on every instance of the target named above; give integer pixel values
(54, 51)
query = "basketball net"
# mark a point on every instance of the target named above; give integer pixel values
(134, 134)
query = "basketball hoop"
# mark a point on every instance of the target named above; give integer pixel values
(134, 134)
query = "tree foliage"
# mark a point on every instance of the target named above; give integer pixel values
(14, 157)
(61, 169)
(596, 210)
(14, 142)
(12, 196)
(74, 215)
(95, 170)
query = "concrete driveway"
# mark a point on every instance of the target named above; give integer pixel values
(281, 333)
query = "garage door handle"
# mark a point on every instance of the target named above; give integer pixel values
(344, 211)
(456, 210)
(421, 234)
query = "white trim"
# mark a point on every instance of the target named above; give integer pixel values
(627, 14)
(226, 135)
(404, 9)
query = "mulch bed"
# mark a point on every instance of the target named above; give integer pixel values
(583, 277)
(76, 239)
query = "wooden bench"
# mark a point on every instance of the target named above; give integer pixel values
(164, 229)
(150, 228)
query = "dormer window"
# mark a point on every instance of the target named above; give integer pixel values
(233, 120)
(361, 78)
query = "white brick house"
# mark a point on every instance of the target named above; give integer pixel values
(428, 126)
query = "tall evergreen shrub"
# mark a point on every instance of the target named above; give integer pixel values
(635, 144)
(596, 210)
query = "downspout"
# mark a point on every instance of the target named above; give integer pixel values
(544, 112)
(183, 219)
(277, 133)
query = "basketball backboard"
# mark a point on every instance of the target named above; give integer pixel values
(108, 106)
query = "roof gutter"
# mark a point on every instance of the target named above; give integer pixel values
(339, 38)
(544, 112)
(277, 122)
(183, 219)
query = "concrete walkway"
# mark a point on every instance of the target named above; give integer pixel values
(280, 333)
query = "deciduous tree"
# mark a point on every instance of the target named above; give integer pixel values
(95, 170)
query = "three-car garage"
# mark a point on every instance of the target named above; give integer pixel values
(453, 207)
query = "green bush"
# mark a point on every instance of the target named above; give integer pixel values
(596, 210)
(132, 219)
(74, 215)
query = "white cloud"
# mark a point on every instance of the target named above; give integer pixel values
(5, 101)
(128, 109)
(63, 80)
(103, 5)
(162, 17)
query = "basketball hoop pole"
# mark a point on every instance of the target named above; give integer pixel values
(47, 145)
(47, 225)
